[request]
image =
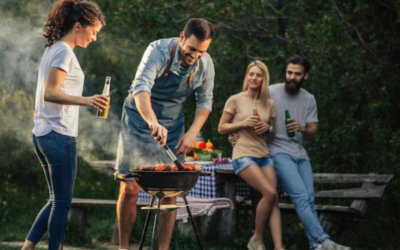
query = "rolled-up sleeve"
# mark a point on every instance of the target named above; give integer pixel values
(204, 94)
(147, 72)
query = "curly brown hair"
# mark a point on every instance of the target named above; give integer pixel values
(64, 15)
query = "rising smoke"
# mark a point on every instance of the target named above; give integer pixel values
(21, 47)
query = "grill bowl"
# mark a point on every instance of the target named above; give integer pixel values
(170, 183)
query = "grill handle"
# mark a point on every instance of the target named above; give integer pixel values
(206, 174)
(123, 177)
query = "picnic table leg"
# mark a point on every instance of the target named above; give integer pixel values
(226, 187)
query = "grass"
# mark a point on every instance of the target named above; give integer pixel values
(7, 247)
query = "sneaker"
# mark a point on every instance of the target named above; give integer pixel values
(333, 246)
(252, 245)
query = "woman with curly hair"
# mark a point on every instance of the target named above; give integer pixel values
(251, 160)
(70, 23)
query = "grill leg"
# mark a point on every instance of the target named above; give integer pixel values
(146, 224)
(159, 195)
(192, 221)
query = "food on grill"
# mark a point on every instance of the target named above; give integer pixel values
(168, 167)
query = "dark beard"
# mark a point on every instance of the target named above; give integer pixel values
(182, 57)
(293, 90)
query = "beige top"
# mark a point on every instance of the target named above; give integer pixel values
(249, 143)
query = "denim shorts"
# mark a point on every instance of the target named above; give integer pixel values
(246, 161)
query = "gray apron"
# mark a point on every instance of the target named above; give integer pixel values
(168, 97)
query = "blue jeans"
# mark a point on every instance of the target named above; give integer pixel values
(57, 154)
(295, 176)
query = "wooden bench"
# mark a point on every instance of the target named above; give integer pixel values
(79, 207)
(372, 187)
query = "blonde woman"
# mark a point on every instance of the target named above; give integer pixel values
(251, 159)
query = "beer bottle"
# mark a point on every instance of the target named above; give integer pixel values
(255, 111)
(106, 92)
(287, 116)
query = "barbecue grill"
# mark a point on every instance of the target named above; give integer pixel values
(161, 184)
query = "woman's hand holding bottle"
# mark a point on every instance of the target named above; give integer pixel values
(98, 102)
(250, 122)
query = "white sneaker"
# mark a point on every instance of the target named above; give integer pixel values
(252, 245)
(333, 246)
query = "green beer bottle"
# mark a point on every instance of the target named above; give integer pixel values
(287, 116)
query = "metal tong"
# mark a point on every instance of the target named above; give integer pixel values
(172, 156)
(178, 163)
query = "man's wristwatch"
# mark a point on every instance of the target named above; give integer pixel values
(270, 129)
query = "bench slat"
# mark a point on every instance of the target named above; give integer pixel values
(352, 178)
(322, 208)
(353, 193)
(333, 178)
(78, 202)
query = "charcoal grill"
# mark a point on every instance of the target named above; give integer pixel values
(160, 184)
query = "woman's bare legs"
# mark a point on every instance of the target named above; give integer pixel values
(275, 216)
(257, 179)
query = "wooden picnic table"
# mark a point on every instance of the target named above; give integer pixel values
(372, 187)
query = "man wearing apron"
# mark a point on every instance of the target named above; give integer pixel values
(170, 71)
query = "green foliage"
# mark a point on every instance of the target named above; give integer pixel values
(351, 45)
(77, 236)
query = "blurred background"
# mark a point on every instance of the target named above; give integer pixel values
(353, 48)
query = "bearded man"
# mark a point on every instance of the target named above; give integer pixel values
(291, 161)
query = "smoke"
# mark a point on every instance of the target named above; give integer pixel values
(97, 138)
(21, 47)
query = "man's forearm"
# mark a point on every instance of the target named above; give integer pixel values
(143, 104)
(199, 119)
(309, 133)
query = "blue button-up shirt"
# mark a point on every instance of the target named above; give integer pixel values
(154, 62)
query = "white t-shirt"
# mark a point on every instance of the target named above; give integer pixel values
(50, 116)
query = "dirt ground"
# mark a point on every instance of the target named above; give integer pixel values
(98, 246)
